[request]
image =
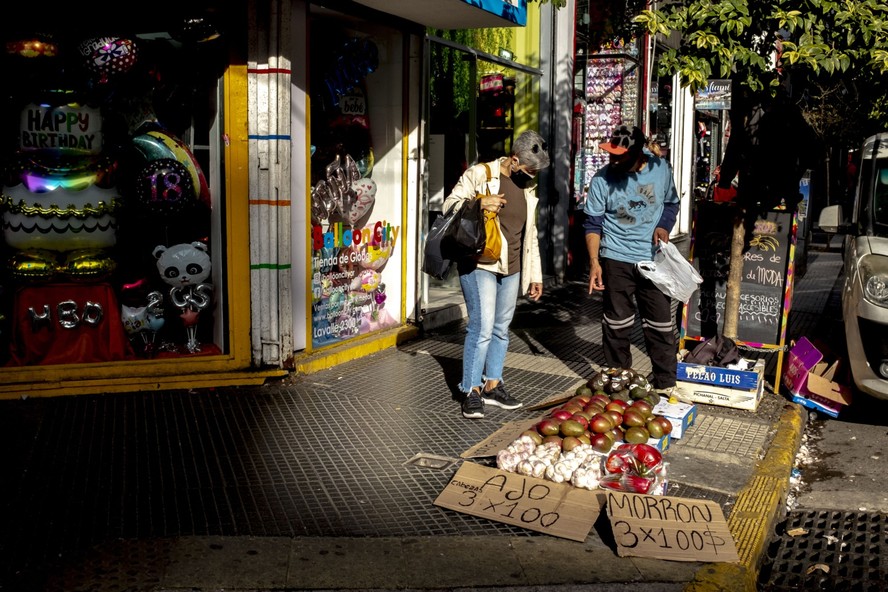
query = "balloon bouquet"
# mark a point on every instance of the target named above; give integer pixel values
(170, 198)
(185, 267)
(349, 294)
(99, 178)
(60, 205)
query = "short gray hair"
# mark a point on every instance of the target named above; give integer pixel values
(531, 150)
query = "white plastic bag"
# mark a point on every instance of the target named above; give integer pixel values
(671, 272)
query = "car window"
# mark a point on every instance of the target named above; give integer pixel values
(880, 205)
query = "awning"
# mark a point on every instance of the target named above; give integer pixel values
(455, 14)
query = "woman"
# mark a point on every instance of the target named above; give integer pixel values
(491, 289)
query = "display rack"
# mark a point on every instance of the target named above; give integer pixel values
(612, 99)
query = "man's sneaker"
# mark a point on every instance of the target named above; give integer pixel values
(498, 397)
(673, 393)
(473, 406)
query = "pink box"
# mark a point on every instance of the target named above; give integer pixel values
(803, 357)
(810, 380)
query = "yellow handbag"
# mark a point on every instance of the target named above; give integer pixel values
(492, 242)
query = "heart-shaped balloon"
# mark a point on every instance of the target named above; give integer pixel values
(134, 318)
(364, 191)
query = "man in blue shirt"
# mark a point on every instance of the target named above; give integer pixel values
(631, 207)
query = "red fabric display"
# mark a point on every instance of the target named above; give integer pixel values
(67, 324)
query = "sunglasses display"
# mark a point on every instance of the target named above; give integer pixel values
(611, 99)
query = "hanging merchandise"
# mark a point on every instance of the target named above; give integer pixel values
(611, 81)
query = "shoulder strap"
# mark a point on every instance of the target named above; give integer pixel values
(487, 168)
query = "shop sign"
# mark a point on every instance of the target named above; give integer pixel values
(716, 95)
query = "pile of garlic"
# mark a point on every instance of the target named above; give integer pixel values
(582, 466)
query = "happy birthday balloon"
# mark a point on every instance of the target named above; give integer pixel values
(60, 127)
(59, 209)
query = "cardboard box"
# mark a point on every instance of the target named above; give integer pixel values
(810, 380)
(716, 376)
(680, 415)
(661, 444)
(701, 391)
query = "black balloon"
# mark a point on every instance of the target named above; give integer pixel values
(164, 187)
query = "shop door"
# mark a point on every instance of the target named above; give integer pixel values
(473, 102)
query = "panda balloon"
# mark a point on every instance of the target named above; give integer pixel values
(185, 267)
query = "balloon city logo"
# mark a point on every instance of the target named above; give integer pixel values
(380, 236)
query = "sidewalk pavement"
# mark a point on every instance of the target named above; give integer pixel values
(323, 482)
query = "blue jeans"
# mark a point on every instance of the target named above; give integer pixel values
(490, 304)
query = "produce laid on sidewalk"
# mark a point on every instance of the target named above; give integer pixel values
(597, 450)
(605, 436)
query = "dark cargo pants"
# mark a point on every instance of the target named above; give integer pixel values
(624, 288)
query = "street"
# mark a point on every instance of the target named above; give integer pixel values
(835, 525)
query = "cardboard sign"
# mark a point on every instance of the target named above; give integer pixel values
(557, 509)
(673, 528)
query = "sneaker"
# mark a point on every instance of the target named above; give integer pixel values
(473, 406)
(498, 397)
(672, 393)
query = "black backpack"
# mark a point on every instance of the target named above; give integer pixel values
(715, 351)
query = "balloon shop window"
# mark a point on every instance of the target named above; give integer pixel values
(108, 252)
(357, 170)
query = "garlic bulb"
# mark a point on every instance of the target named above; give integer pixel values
(587, 475)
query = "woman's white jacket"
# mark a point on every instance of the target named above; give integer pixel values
(473, 182)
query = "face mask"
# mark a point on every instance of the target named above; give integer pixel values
(521, 179)
(622, 166)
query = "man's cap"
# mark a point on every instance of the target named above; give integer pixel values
(623, 140)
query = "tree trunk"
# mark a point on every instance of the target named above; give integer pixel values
(735, 276)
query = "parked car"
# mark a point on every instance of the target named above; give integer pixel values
(865, 252)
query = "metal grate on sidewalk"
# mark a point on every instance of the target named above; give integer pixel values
(828, 550)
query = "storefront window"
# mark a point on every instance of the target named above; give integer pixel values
(356, 181)
(108, 253)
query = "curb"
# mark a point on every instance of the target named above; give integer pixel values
(759, 504)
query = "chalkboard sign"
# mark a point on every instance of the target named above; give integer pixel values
(766, 259)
